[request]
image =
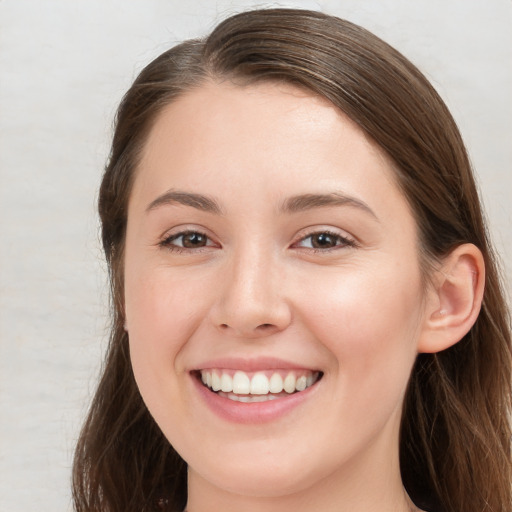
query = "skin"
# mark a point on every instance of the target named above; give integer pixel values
(356, 311)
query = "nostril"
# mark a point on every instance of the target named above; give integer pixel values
(261, 329)
(266, 329)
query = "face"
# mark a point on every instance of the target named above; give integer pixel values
(273, 290)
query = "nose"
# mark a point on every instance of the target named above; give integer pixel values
(251, 300)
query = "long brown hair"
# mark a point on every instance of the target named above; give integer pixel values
(455, 432)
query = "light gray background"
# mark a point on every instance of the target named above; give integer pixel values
(63, 68)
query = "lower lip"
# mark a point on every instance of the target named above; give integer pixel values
(255, 412)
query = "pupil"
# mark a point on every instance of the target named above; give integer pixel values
(194, 240)
(323, 240)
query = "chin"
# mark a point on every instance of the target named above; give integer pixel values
(258, 481)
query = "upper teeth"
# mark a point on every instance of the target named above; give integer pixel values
(259, 383)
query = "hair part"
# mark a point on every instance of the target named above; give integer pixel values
(455, 432)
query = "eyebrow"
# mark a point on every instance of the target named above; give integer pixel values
(293, 204)
(310, 201)
(198, 201)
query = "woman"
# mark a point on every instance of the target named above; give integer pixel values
(298, 262)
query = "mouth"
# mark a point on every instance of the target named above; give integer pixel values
(259, 386)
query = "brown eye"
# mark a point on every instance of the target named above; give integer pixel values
(324, 241)
(193, 240)
(189, 240)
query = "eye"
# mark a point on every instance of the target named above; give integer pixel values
(187, 240)
(324, 240)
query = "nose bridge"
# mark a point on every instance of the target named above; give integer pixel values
(253, 271)
(252, 300)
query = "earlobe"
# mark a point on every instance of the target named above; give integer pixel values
(455, 299)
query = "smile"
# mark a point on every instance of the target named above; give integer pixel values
(261, 386)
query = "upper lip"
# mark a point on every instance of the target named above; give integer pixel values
(252, 364)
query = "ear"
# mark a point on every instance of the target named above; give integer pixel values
(454, 300)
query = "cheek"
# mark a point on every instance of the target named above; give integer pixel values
(163, 306)
(369, 321)
(163, 311)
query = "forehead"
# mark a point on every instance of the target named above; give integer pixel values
(225, 113)
(267, 138)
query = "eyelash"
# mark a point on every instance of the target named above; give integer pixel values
(341, 242)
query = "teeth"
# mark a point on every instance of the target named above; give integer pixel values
(289, 383)
(259, 384)
(241, 383)
(245, 387)
(226, 383)
(300, 383)
(276, 383)
(250, 398)
(216, 384)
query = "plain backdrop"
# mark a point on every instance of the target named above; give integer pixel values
(64, 66)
